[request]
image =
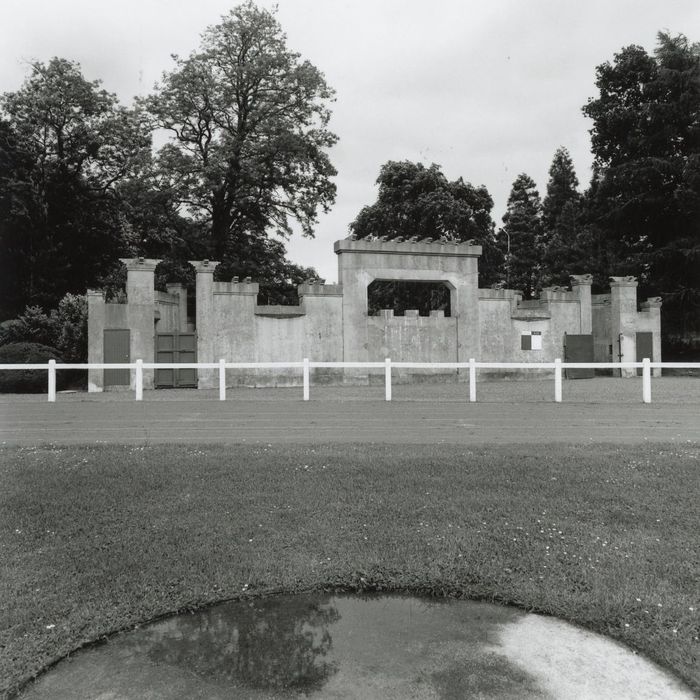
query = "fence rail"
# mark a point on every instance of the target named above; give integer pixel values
(306, 365)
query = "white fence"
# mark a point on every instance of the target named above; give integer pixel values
(646, 366)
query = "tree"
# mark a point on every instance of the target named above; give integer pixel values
(415, 201)
(561, 221)
(521, 235)
(562, 187)
(65, 144)
(248, 121)
(646, 143)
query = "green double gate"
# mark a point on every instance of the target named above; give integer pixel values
(172, 346)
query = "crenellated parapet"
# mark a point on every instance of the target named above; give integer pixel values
(410, 246)
(319, 289)
(244, 288)
(557, 294)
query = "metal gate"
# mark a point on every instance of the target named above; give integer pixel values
(117, 349)
(578, 348)
(173, 346)
(645, 347)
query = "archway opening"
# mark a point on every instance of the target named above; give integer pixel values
(401, 295)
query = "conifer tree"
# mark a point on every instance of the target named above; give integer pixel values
(521, 237)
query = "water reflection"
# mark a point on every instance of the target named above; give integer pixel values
(276, 643)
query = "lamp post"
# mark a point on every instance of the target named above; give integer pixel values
(507, 260)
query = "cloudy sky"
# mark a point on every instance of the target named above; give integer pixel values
(486, 90)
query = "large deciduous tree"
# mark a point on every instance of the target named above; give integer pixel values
(65, 144)
(418, 201)
(248, 121)
(520, 237)
(646, 142)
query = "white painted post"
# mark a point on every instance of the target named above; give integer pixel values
(387, 379)
(222, 379)
(139, 380)
(646, 380)
(472, 380)
(557, 380)
(306, 379)
(52, 381)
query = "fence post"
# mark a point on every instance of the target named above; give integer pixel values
(387, 379)
(557, 380)
(472, 380)
(139, 380)
(222, 379)
(306, 379)
(52, 380)
(646, 380)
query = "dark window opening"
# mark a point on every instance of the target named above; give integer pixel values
(285, 294)
(402, 295)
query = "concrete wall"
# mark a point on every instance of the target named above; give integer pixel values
(626, 322)
(505, 317)
(242, 331)
(331, 322)
(145, 311)
(412, 338)
(604, 350)
(361, 262)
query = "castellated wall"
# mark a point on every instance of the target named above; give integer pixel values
(331, 323)
(242, 331)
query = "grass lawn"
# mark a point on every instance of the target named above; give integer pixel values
(95, 539)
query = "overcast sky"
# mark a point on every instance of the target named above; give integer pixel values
(486, 90)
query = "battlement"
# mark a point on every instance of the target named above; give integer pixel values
(411, 246)
(319, 289)
(550, 294)
(497, 294)
(245, 288)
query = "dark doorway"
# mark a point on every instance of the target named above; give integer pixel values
(117, 342)
(645, 347)
(578, 348)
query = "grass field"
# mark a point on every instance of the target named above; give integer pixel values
(94, 539)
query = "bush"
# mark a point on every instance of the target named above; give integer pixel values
(30, 381)
(70, 321)
(33, 326)
(64, 328)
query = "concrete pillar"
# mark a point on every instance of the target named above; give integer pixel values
(581, 287)
(180, 291)
(466, 308)
(96, 326)
(652, 306)
(207, 378)
(623, 321)
(141, 306)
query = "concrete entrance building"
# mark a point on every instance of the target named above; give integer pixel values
(332, 323)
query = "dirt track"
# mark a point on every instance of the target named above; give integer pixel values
(601, 411)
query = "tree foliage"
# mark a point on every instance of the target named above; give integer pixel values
(248, 124)
(646, 143)
(415, 201)
(65, 144)
(561, 223)
(520, 237)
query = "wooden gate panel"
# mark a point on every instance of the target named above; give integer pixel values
(578, 348)
(117, 348)
(173, 346)
(187, 353)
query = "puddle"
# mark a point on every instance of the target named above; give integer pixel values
(335, 646)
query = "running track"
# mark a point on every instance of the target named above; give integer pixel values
(295, 421)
